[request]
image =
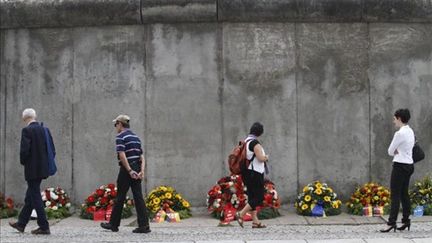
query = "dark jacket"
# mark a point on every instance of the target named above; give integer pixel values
(33, 152)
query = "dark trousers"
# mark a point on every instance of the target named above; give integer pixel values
(254, 182)
(124, 181)
(399, 184)
(33, 200)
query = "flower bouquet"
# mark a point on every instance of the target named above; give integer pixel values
(7, 207)
(168, 200)
(57, 203)
(230, 195)
(103, 199)
(318, 194)
(421, 195)
(369, 195)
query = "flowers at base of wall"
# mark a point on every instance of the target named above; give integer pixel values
(7, 207)
(421, 195)
(318, 195)
(229, 196)
(163, 201)
(102, 199)
(371, 195)
(57, 203)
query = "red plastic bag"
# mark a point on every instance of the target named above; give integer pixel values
(99, 215)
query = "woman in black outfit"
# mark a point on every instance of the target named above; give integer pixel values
(253, 176)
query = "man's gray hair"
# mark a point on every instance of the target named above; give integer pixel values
(29, 113)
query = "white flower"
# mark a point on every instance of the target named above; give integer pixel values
(53, 196)
(47, 203)
(68, 205)
(51, 189)
(108, 190)
(54, 208)
(230, 183)
(44, 197)
(97, 203)
(62, 191)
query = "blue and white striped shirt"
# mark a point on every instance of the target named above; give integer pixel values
(129, 143)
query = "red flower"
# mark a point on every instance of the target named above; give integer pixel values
(91, 199)
(100, 192)
(104, 200)
(10, 203)
(111, 186)
(268, 198)
(113, 193)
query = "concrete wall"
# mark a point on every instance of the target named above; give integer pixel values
(324, 87)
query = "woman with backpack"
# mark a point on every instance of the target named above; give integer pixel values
(253, 175)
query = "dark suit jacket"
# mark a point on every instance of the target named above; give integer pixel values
(33, 152)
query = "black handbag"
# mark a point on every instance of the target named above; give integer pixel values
(417, 153)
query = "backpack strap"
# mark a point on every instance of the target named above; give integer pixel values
(247, 147)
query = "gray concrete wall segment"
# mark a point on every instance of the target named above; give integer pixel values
(291, 10)
(38, 75)
(184, 130)
(67, 13)
(401, 77)
(259, 85)
(333, 111)
(397, 11)
(175, 11)
(75, 13)
(2, 113)
(109, 80)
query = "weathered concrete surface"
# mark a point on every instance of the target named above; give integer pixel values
(2, 115)
(333, 105)
(290, 10)
(54, 13)
(397, 10)
(401, 77)
(183, 109)
(109, 76)
(193, 90)
(37, 73)
(174, 11)
(68, 13)
(259, 85)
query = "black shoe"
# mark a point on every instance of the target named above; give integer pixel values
(40, 231)
(108, 226)
(144, 230)
(405, 224)
(392, 227)
(17, 227)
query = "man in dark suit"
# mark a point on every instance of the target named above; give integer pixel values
(34, 158)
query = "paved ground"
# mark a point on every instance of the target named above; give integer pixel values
(202, 228)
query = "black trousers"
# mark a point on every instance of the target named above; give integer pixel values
(124, 181)
(33, 200)
(399, 184)
(254, 182)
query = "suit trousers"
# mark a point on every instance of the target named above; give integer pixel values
(124, 181)
(33, 200)
(399, 183)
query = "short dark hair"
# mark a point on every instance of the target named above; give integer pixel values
(257, 129)
(403, 114)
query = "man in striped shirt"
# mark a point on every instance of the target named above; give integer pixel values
(132, 163)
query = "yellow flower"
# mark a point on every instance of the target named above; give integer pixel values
(178, 197)
(307, 198)
(318, 191)
(305, 189)
(186, 204)
(327, 198)
(304, 207)
(330, 190)
(318, 185)
(168, 195)
(162, 188)
(156, 201)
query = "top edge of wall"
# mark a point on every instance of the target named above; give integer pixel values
(74, 13)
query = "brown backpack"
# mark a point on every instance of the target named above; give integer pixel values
(237, 160)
